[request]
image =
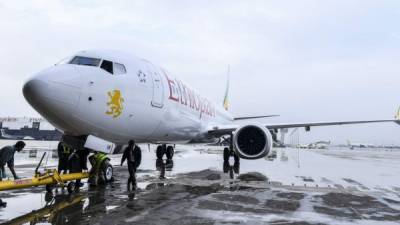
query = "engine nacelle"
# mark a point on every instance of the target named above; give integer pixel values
(252, 141)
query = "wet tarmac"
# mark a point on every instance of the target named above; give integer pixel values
(319, 187)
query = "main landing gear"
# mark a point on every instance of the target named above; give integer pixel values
(228, 151)
(163, 149)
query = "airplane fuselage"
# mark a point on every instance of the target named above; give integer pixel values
(140, 101)
(102, 98)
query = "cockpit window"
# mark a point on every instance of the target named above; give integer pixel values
(119, 68)
(85, 61)
(107, 66)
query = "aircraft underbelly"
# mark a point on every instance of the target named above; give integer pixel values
(176, 126)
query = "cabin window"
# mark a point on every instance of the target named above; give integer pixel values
(107, 66)
(119, 68)
(85, 61)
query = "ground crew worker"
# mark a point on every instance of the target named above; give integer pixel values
(7, 156)
(75, 166)
(63, 155)
(133, 154)
(83, 156)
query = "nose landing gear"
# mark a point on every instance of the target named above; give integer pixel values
(102, 171)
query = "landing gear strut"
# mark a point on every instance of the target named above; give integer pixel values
(163, 149)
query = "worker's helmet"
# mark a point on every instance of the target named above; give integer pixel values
(20, 145)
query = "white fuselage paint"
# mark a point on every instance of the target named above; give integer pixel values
(157, 107)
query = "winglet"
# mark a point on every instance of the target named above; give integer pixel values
(397, 115)
(226, 99)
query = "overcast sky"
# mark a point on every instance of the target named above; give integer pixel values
(305, 60)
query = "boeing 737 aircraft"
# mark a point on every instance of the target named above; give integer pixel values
(101, 99)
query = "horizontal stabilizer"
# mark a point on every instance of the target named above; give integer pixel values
(253, 117)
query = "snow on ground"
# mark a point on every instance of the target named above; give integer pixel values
(367, 168)
(363, 183)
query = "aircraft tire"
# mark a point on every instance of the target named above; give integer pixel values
(170, 152)
(227, 154)
(71, 187)
(108, 171)
(49, 188)
(160, 152)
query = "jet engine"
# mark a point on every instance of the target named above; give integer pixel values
(252, 141)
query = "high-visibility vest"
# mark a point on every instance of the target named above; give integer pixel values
(66, 149)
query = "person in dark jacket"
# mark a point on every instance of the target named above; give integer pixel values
(133, 155)
(75, 166)
(7, 157)
(83, 154)
(64, 151)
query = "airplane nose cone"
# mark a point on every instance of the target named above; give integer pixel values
(54, 93)
(34, 90)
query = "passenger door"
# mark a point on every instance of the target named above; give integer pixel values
(158, 91)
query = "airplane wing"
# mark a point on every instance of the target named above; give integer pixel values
(318, 124)
(223, 130)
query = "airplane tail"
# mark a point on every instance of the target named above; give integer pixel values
(348, 142)
(226, 98)
(226, 103)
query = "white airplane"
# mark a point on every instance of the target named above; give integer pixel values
(319, 145)
(101, 99)
(353, 145)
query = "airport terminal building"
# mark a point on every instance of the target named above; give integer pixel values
(27, 128)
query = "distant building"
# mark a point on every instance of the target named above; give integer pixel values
(26, 128)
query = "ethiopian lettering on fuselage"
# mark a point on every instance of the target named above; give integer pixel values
(179, 92)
